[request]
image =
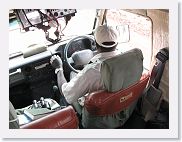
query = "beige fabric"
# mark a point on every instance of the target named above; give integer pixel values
(123, 70)
(87, 80)
(106, 33)
(107, 122)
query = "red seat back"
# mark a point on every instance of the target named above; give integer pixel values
(103, 103)
(63, 119)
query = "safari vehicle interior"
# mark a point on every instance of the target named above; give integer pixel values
(35, 35)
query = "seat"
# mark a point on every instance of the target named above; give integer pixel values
(124, 83)
(65, 118)
(13, 119)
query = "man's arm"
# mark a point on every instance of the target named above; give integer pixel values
(78, 86)
(60, 80)
(56, 63)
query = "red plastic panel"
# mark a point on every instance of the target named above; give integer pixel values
(102, 103)
(63, 119)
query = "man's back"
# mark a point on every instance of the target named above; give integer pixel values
(117, 73)
(87, 80)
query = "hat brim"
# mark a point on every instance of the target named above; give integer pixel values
(108, 46)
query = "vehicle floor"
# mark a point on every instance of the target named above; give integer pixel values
(160, 121)
(134, 122)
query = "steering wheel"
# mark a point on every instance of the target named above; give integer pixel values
(69, 60)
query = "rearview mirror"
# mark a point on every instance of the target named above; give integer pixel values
(124, 33)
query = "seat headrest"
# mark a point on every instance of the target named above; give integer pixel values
(123, 70)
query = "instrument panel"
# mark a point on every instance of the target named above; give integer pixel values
(31, 81)
(33, 77)
(37, 71)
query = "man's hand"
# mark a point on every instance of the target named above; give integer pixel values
(56, 62)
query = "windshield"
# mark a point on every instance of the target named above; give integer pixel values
(20, 39)
(140, 32)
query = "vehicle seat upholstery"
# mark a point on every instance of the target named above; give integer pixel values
(13, 120)
(122, 79)
(123, 70)
(63, 119)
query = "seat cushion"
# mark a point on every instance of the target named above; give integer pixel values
(101, 103)
(122, 71)
(111, 110)
(108, 121)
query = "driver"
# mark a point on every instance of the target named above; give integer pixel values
(89, 79)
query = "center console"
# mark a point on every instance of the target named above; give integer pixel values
(38, 109)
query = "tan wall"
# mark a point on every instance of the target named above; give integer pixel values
(160, 40)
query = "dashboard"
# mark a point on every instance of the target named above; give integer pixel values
(33, 77)
(30, 80)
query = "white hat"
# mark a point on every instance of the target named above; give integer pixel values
(106, 33)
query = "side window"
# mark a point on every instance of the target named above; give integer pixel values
(140, 32)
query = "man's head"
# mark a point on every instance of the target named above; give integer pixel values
(106, 38)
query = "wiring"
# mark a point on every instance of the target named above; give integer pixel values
(41, 16)
(27, 18)
(46, 16)
(19, 18)
(58, 28)
(43, 27)
(66, 19)
(53, 17)
(61, 30)
(16, 11)
(58, 25)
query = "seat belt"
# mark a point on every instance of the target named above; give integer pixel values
(152, 95)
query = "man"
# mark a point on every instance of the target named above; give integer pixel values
(89, 79)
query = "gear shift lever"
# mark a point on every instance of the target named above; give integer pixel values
(56, 93)
(35, 105)
(42, 102)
